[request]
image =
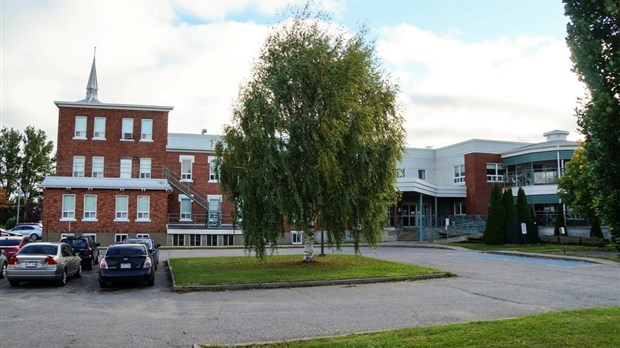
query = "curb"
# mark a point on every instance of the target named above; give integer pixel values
(554, 257)
(309, 283)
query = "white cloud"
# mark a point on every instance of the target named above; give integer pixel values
(511, 89)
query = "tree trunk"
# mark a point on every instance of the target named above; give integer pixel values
(309, 246)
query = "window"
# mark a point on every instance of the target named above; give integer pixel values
(422, 174)
(178, 239)
(147, 130)
(186, 167)
(144, 207)
(145, 168)
(296, 237)
(142, 235)
(459, 174)
(99, 129)
(125, 168)
(194, 239)
(228, 239)
(122, 208)
(80, 127)
(459, 208)
(119, 237)
(65, 235)
(68, 207)
(212, 239)
(90, 207)
(215, 210)
(214, 174)
(186, 208)
(495, 172)
(127, 129)
(97, 167)
(92, 236)
(78, 166)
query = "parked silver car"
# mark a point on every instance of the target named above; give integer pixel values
(32, 231)
(44, 261)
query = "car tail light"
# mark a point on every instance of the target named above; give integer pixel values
(88, 251)
(50, 261)
(13, 261)
(103, 264)
(147, 263)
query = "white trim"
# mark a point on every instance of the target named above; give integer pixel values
(67, 104)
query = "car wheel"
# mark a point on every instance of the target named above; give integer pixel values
(14, 283)
(90, 265)
(151, 281)
(3, 272)
(79, 271)
(33, 237)
(103, 283)
(62, 281)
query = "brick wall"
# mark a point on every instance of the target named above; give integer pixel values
(478, 189)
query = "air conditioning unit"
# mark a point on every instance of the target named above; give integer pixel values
(127, 135)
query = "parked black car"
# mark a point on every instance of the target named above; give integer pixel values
(126, 262)
(150, 245)
(86, 248)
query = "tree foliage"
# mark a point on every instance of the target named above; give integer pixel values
(594, 39)
(25, 159)
(494, 232)
(510, 211)
(523, 210)
(316, 136)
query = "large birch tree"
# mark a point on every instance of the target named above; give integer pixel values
(315, 138)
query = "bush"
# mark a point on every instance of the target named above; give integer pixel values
(494, 232)
(10, 223)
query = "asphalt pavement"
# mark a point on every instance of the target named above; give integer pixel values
(80, 314)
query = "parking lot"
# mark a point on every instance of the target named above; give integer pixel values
(81, 314)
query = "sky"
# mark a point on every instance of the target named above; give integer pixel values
(484, 69)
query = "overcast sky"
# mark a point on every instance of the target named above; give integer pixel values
(486, 69)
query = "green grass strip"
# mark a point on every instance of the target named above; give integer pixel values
(599, 327)
(285, 268)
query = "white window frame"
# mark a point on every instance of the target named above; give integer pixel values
(79, 165)
(68, 210)
(214, 175)
(422, 174)
(297, 237)
(99, 128)
(178, 239)
(120, 237)
(97, 168)
(143, 235)
(497, 177)
(459, 208)
(126, 168)
(127, 129)
(121, 215)
(90, 215)
(186, 176)
(459, 174)
(146, 130)
(79, 129)
(187, 215)
(143, 215)
(195, 239)
(145, 168)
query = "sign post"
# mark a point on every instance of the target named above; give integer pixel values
(524, 233)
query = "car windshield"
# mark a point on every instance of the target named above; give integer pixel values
(125, 250)
(9, 242)
(38, 249)
(146, 242)
(75, 243)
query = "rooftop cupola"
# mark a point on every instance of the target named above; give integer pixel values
(556, 135)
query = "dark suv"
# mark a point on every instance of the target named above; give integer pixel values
(86, 248)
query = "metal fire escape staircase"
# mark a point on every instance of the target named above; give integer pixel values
(196, 196)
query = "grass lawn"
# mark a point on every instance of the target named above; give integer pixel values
(285, 268)
(606, 252)
(597, 327)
